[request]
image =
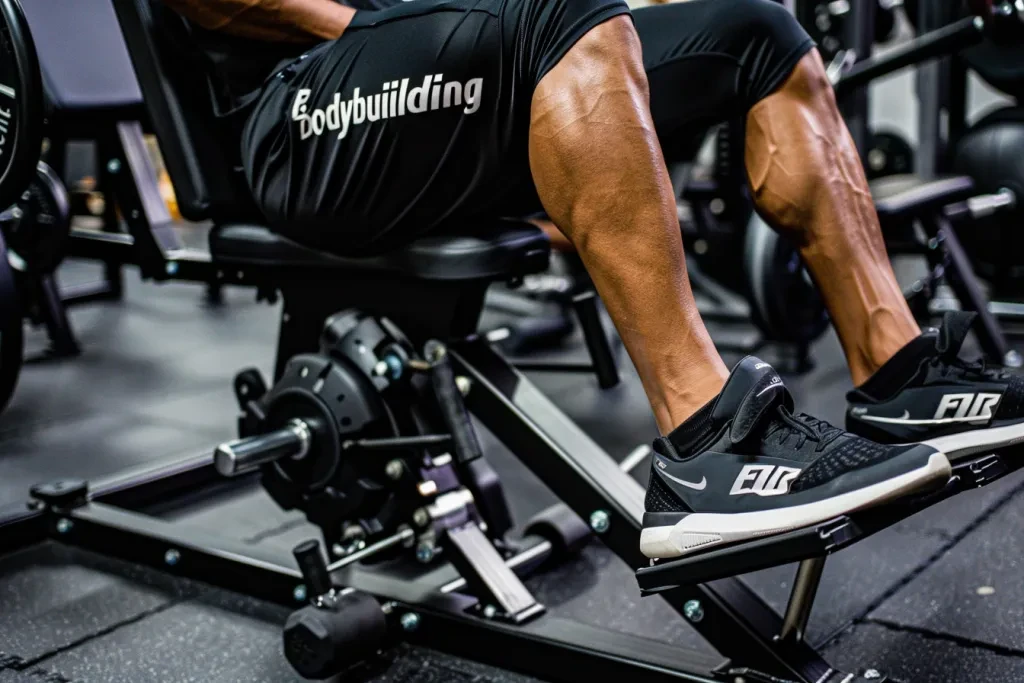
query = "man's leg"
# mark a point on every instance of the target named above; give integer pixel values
(601, 176)
(808, 182)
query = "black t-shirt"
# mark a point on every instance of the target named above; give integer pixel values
(238, 67)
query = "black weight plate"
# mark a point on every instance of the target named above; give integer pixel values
(1001, 65)
(992, 154)
(39, 228)
(888, 154)
(21, 103)
(784, 302)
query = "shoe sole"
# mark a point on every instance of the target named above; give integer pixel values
(965, 444)
(700, 531)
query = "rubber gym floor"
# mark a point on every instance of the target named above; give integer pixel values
(936, 598)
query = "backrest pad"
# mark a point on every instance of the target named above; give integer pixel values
(206, 184)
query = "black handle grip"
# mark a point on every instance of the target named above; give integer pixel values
(313, 567)
(453, 410)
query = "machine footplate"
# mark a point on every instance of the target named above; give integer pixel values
(814, 541)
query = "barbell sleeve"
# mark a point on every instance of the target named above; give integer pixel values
(245, 455)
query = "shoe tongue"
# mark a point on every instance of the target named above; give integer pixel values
(753, 388)
(956, 325)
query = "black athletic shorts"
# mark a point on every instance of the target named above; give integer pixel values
(418, 116)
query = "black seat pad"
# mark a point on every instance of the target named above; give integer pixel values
(505, 249)
(902, 197)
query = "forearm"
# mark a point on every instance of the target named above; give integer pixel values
(298, 21)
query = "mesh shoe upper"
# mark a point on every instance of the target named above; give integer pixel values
(926, 390)
(752, 443)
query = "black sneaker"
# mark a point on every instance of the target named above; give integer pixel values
(746, 467)
(926, 393)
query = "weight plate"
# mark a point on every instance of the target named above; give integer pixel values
(992, 154)
(888, 154)
(21, 103)
(784, 302)
(38, 227)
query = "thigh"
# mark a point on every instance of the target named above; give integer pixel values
(416, 117)
(708, 61)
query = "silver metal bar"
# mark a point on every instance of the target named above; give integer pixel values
(798, 611)
(403, 536)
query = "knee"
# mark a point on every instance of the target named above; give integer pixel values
(769, 41)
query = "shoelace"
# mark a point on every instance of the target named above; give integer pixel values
(946, 366)
(809, 428)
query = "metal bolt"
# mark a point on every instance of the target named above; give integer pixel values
(490, 611)
(872, 674)
(114, 165)
(463, 384)
(337, 550)
(600, 521)
(421, 517)
(171, 267)
(717, 206)
(395, 469)
(299, 593)
(410, 621)
(380, 369)
(877, 159)
(171, 557)
(424, 552)
(693, 611)
(304, 372)
(64, 526)
(16, 213)
(135, 213)
(1013, 359)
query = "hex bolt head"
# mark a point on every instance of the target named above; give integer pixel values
(410, 621)
(693, 611)
(600, 521)
(394, 469)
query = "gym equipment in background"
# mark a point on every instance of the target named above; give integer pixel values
(539, 312)
(745, 276)
(37, 229)
(992, 153)
(988, 151)
(923, 214)
(888, 154)
(91, 94)
(21, 119)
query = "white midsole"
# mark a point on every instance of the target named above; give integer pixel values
(964, 444)
(701, 530)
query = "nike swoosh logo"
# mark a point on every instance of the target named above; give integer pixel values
(699, 486)
(904, 419)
